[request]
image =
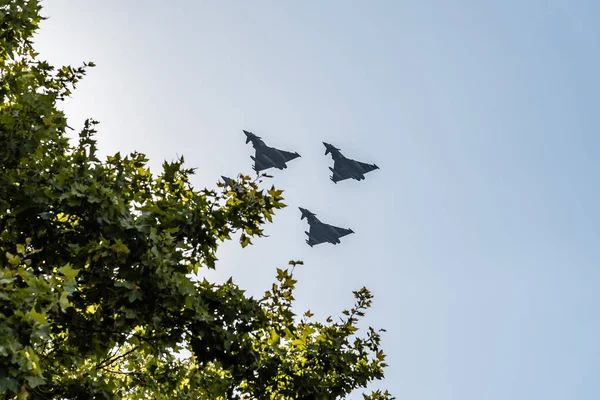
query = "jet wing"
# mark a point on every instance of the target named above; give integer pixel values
(264, 158)
(260, 162)
(326, 231)
(321, 233)
(366, 167)
(316, 235)
(287, 155)
(340, 232)
(313, 240)
(340, 171)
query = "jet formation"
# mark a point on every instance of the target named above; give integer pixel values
(266, 157)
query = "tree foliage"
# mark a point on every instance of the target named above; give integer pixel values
(97, 266)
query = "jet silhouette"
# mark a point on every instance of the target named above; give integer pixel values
(320, 232)
(345, 168)
(268, 157)
(230, 182)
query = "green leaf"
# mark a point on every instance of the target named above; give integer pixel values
(133, 296)
(245, 240)
(38, 317)
(68, 271)
(12, 259)
(120, 247)
(8, 384)
(35, 381)
(64, 301)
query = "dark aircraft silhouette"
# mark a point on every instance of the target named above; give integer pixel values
(268, 157)
(345, 168)
(226, 179)
(320, 232)
(232, 183)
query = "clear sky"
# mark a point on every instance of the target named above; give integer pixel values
(478, 235)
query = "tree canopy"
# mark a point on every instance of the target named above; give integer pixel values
(98, 260)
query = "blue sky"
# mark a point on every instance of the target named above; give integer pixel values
(478, 235)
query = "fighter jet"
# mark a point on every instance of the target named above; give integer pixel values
(268, 157)
(320, 232)
(345, 168)
(231, 182)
